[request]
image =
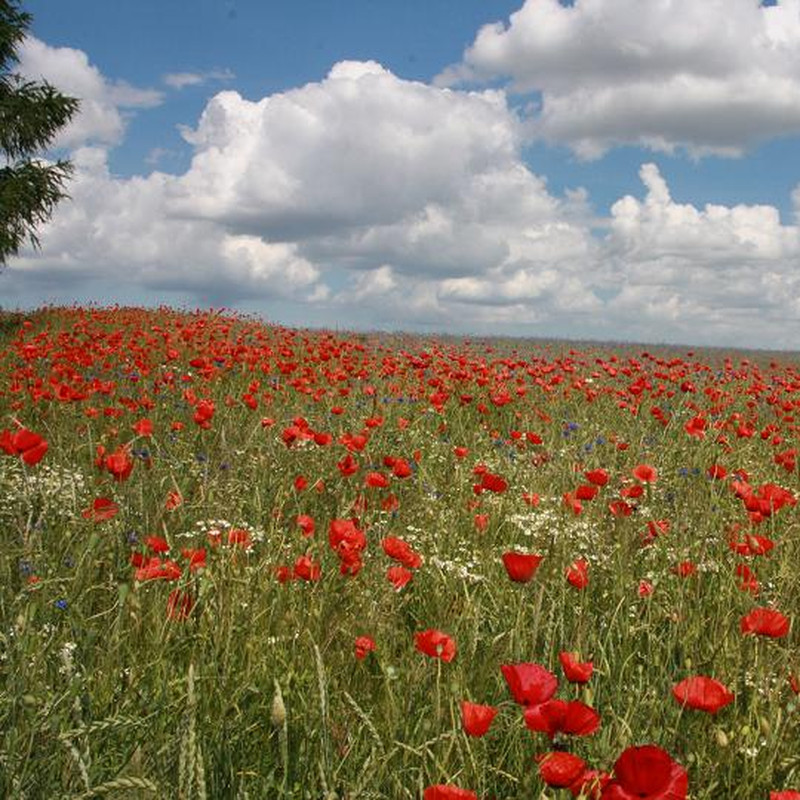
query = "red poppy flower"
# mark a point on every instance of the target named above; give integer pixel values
(531, 499)
(521, 567)
(619, 508)
(347, 466)
(645, 588)
(574, 670)
(493, 483)
(765, 622)
(578, 573)
(197, 558)
(156, 569)
(702, 694)
(530, 684)
(560, 769)
(586, 492)
(119, 463)
(684, 569)
(144, 427)
(632, 492)
(645, 473)
(559, 716)
(481, 522)
(435, 644)
(364, 645)
(476, 719)
(30, 446)
(306, 524)
(306, 569)
(399, 576)
(400, 550)
(376, 480)
(647, 772)
(101, 510)
(752, 545)
(748, 579)
(598, 477)
(401, 468)
(785, 794)
(157, 544)
(174, 500)
(203, 413)
(443, 792)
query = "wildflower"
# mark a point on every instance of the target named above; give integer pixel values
(364, 645)
(476, 719)
(598, 477)
(530, 684)
(306, 524)
(645, 588)
(574, 670)
(435, 644)
(174, 500)
(559, 716)
(702, 693)
(399, 577)
(560, 769)
(119, 463)
(102, 509)
(578, 573)
(306, 569)
(401, 551)
(521, 567)
(647, 772)
(765, 622)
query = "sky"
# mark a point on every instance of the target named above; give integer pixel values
(616, 170)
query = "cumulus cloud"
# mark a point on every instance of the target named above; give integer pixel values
(718, 272)
(364, 168)
(100, 119)
(119, 231)
(367, 199)
(713, 77)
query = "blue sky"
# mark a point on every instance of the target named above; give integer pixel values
(610, 169)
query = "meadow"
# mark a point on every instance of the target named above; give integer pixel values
(245, 561)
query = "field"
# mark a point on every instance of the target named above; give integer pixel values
(245, 561)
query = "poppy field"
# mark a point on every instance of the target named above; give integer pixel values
(240, 560)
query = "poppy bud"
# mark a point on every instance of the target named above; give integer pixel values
(721, 737)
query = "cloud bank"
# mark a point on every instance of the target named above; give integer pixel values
(715, 77)
(366, 199)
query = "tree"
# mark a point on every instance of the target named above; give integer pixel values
(30, 116)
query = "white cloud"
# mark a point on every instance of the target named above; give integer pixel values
(367, 199)
(99, 119)
(715, 272)
(119, 231)
(713, 77)
(180, 80)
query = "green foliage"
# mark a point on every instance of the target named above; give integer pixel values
(31, 114)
